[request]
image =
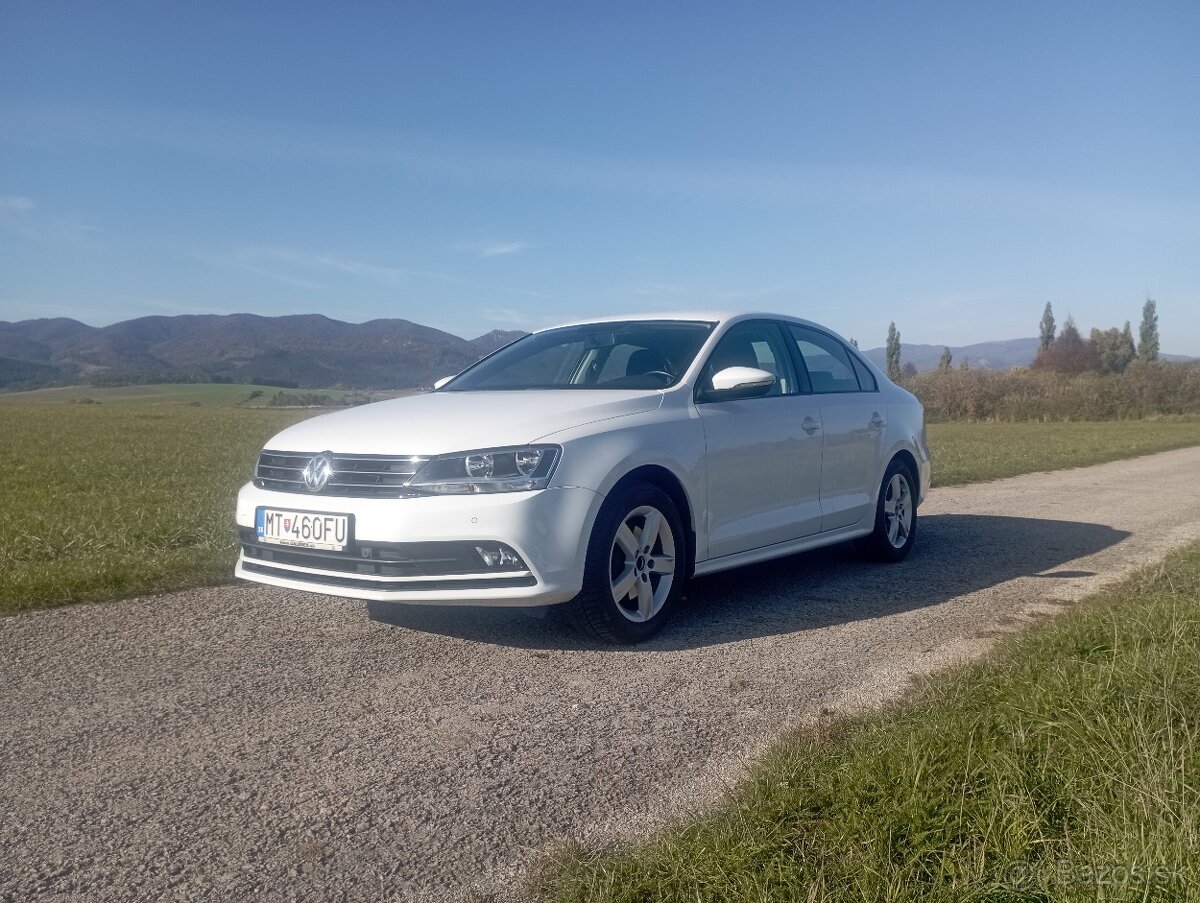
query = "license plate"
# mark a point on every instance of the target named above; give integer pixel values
(305, 529)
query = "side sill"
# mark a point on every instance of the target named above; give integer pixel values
(781, 549)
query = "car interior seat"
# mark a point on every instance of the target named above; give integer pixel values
(647, 360)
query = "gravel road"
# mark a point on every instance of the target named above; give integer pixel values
(241, 741)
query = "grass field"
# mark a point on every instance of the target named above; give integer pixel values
(207, 394)
(117, 499)
(102, 501)
(970, 452)
(1067, 767)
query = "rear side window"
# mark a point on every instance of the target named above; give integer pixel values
(866, 379)
(829, 363)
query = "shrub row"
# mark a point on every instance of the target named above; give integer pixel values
(1143, 390)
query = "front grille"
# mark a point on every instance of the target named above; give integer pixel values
(356, 476)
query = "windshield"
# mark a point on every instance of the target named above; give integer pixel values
(631, 355)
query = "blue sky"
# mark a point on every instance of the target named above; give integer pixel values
(949, 166)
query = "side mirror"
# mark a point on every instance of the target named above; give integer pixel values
(739, 382)
(441, 382)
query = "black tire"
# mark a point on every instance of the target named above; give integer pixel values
(595, 611)
(882, 544)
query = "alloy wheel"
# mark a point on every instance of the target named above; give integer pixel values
(897, 508)
(642, 563)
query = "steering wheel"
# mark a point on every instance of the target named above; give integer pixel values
(667, 377)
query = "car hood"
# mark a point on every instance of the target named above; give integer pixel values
(442, 422)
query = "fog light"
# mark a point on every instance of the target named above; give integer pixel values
(499, 556)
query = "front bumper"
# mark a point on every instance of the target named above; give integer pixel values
(548, 529)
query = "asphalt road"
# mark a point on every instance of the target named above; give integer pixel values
(240, 741)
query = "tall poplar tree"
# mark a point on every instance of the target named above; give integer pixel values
(1147, 349)
(893, 353)
(1046, 336)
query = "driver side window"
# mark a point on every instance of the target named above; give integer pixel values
(758, 344)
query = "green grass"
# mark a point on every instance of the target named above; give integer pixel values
(111, 500)
(1066, 767)
(219, 394)
(970, 452)
(105, 502)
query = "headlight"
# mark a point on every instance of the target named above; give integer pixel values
(489, 470)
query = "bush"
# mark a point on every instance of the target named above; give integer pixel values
(301, 400)
(1143, 390)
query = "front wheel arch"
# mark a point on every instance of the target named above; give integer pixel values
(669, 483)
(596, 609)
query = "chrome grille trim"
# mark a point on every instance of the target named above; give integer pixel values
(357, 476)
(442, 584)
(387, 560)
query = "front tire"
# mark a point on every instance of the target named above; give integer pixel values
(636, 562)
(895, 515)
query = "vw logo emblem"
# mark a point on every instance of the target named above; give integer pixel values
(318, 471)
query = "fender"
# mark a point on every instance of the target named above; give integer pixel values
(600, 460)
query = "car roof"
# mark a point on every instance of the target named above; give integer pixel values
(695, 316)
(720, 318)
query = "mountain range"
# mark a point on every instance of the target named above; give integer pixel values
(1000, 355)
(303, 351)
(306, 351)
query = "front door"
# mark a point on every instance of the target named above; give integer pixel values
(764, 454)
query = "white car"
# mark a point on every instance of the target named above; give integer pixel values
(598, 464)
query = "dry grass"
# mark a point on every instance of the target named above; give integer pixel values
(1066, 768)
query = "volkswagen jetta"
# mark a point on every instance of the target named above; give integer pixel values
(598, 465)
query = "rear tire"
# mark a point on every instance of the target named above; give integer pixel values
(636, 563)
(895, 515)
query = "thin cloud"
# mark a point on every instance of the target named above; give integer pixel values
(304, 268)
(21, 216)
(16, 204)
(258, 262)
(501, 248)
(717, 181)
(492, 248)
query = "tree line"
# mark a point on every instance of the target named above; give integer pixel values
(1066, 351)
(1104, 351)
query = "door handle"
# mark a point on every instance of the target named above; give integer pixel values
(877, 422)
(809, 425)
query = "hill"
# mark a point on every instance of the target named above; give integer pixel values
(303, 351)
(1000, 355)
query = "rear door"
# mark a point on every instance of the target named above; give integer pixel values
(764, 454)
(853, 417)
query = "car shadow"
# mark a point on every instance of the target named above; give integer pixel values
(955, 554)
